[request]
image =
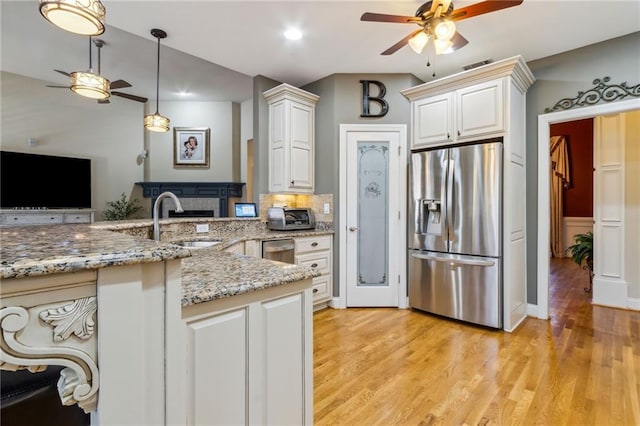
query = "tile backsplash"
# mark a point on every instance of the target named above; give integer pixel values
(316, 202)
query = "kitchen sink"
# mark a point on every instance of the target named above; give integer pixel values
(198, 243)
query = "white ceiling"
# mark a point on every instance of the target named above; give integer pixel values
(244, 39)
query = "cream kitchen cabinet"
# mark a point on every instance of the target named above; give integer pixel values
(485, 103)
(291, 139)
(316, 252)
(249, 358)
(468, 113)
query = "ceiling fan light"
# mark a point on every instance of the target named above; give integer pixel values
(444, 29)
(156, 123)
(419, 41)
(90, 85)
(85, 17)
(443, 46)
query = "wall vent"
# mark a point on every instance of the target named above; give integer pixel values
(477, 64)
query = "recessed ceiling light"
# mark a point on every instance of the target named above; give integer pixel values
(293, 34)
(183, 93)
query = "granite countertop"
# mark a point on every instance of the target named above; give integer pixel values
(49, 249)
(207, 273)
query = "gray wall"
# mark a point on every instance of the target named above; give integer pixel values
(341, 103)
(261, 135)
(563, 76)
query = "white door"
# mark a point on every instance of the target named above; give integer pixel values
(373, 181)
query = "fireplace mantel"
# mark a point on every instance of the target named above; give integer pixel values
(220, 190)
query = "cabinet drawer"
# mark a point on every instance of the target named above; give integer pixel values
(309, 244)
(33, 219)
(321, 288)
(320, 261)
(77, 218)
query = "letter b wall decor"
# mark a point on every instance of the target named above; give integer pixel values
(367, 98)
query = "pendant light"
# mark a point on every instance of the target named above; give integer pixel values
(85, 17)
(88, 83)
(157, 122)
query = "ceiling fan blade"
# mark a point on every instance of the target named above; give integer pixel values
(381, 17)
(132, 97)
(104, 101)
(63, 73)
(400, 44)
(482, 8)
(119, 84)
(60, 87)
(458, 41)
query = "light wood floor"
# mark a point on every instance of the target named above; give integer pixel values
(390, 366)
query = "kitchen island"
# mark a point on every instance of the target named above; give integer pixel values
(153, 333)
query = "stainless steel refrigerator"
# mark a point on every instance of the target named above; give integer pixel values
(455, 232)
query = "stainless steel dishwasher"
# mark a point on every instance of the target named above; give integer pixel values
(280, 250)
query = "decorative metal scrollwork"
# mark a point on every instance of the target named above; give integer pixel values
(601, 92)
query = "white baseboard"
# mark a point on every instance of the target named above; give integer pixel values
(532, 310)
(337, 303)
(610, 293)
(633, 303)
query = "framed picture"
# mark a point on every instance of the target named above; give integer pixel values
(191, 147)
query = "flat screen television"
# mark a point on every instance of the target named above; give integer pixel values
(44, 181)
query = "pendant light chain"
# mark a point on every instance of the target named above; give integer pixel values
(158, 78)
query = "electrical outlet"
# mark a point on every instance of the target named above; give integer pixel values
(326, 208)
(202, 227)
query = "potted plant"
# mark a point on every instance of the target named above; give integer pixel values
(121, 209)
(582, 251)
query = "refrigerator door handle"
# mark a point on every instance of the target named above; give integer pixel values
(444, 228)
(472, 262)
(449, 209)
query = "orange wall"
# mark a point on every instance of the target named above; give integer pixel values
(578, 198)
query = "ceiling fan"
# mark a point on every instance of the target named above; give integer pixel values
(436, 21)
(95, 86)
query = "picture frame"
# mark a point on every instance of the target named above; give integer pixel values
(191, 147)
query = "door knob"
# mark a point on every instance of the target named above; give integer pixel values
(353, 229)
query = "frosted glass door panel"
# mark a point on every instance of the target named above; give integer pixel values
(373, 201)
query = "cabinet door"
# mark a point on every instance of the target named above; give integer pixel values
(217, 392)
(284, 363)
(277, 147)
(479, 110)
(301, 148)
(432, 121)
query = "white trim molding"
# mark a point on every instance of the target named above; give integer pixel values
(633, 303)
(544, 121)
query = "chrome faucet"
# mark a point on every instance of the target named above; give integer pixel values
(156, 205)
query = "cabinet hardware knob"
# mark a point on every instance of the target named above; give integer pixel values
(315, 290)
(314, 244)
(459, 133)
(353, 229)
(448, 135)
(15, 218)
(291, 182)
(314, 265)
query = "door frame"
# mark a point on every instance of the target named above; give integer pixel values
(544, 122)
(340, 301)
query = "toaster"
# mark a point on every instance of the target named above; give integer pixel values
(284, 219)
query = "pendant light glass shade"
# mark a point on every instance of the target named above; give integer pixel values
(419, 41)
(157, 122)
(90, 85)
(84, 17)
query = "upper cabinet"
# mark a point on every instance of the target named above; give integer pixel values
(459, 115)
(291, 139)
(486, 103)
